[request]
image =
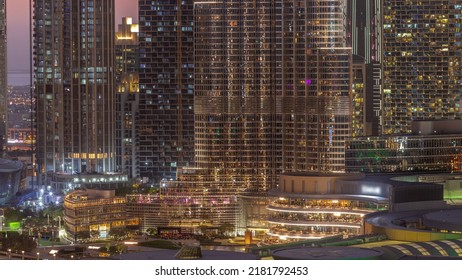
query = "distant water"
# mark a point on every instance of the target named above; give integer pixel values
(18, 78)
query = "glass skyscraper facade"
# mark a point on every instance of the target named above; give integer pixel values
(315, 85)
(421, 62)
(166, 114)
(74, 86)
(234, 103)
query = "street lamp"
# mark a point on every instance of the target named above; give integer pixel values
(38, 256)
(9, 253)
(22, 254)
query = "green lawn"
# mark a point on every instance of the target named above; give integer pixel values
(43, 242)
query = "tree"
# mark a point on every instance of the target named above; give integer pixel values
(113, 249)
(225, 229)
(13, 215)
(53, 211)
(151, 231)
(117, 249)
(118, 232)
(17, 242)
(94, 233)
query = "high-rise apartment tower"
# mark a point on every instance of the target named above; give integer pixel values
(421, 62)
(166, 120)
(74, 86)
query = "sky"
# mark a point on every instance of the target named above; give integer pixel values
(18, 29)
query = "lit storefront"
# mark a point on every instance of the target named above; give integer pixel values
(94, 213)
(311, 206)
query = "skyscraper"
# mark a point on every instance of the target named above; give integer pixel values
(3, 77)
(127, 98)
(273, 86)
(74, 86)
(234, 111)
(421, 62)
(234, 104)
(315, 85)
(272, 94)
(166, 120)
(364, 35)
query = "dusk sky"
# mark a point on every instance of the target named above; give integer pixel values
(18, 29)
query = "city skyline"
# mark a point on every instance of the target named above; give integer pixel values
(234, 123)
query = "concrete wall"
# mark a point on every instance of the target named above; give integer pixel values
(313, 183)
(332, 184)
(419, 205)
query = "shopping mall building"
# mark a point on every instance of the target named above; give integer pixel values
(316, 205)
(94, 213)
(302, 206)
